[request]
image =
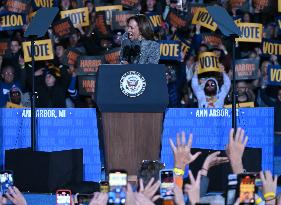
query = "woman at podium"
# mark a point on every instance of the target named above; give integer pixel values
(138, 45)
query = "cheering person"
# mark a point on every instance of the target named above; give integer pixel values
(138, 45)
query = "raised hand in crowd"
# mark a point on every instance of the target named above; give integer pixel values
(141, 199)
(178, 196)
(211, 161)
(182, 151)
(235, 149)
(198, 28)
(3, 200)
(99, 199)
(39, 72)
(269, 187)
(15, 196)
(193, 189)
(130, 196)
(150, 189)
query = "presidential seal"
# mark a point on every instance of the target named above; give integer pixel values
(132, 84)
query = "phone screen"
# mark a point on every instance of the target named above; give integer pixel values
(167, 184)
(6, 180)
(63, 197)
(231, 189)
(247, 189)
(84, 199)
(104, 187)
(117, 187)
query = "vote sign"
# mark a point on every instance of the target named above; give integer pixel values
(274, 75)
(169, 50)
(77, 16)
(12, 21)
(203, 18)
(43, 50)
(208, 62)
(251, 32)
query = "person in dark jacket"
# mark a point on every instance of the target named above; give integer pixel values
(51, 87)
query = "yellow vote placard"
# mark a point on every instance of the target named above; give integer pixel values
(279, 5)
(44, 3)
(108, 8)
(43, 50)
(208, 62)
(245, 104)
(156, 20)
(203, 18)
(13, 105)
(77, 16)
(251, 32)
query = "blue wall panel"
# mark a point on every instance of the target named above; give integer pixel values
(63, 129)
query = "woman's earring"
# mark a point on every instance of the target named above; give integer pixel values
(140, 37)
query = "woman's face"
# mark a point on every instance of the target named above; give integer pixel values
(65, 4)
(50, 80)
(133, 30)
(264, 66)
(150, 4)
(59, 51)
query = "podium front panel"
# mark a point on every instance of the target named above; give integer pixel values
(132, 88)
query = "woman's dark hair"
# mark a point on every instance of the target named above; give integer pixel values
(144, 24)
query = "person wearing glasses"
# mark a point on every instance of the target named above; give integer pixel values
(7, 81)
(209, 94)
(137, 44)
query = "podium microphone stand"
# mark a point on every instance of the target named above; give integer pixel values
(37, 29)
(229, 29)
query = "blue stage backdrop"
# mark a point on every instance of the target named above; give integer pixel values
(62, 129)
(210, 128)
(58, 129)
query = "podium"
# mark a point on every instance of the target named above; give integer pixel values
(132, 99)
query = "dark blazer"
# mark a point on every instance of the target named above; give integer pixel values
(149, 51)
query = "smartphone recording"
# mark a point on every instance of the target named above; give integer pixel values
(167, 184)
(63, 197)
(247, 189)
(117, 187)
(6, 180)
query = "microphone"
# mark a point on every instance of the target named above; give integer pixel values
(126, 53)
(136, 50)
(126, 43)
